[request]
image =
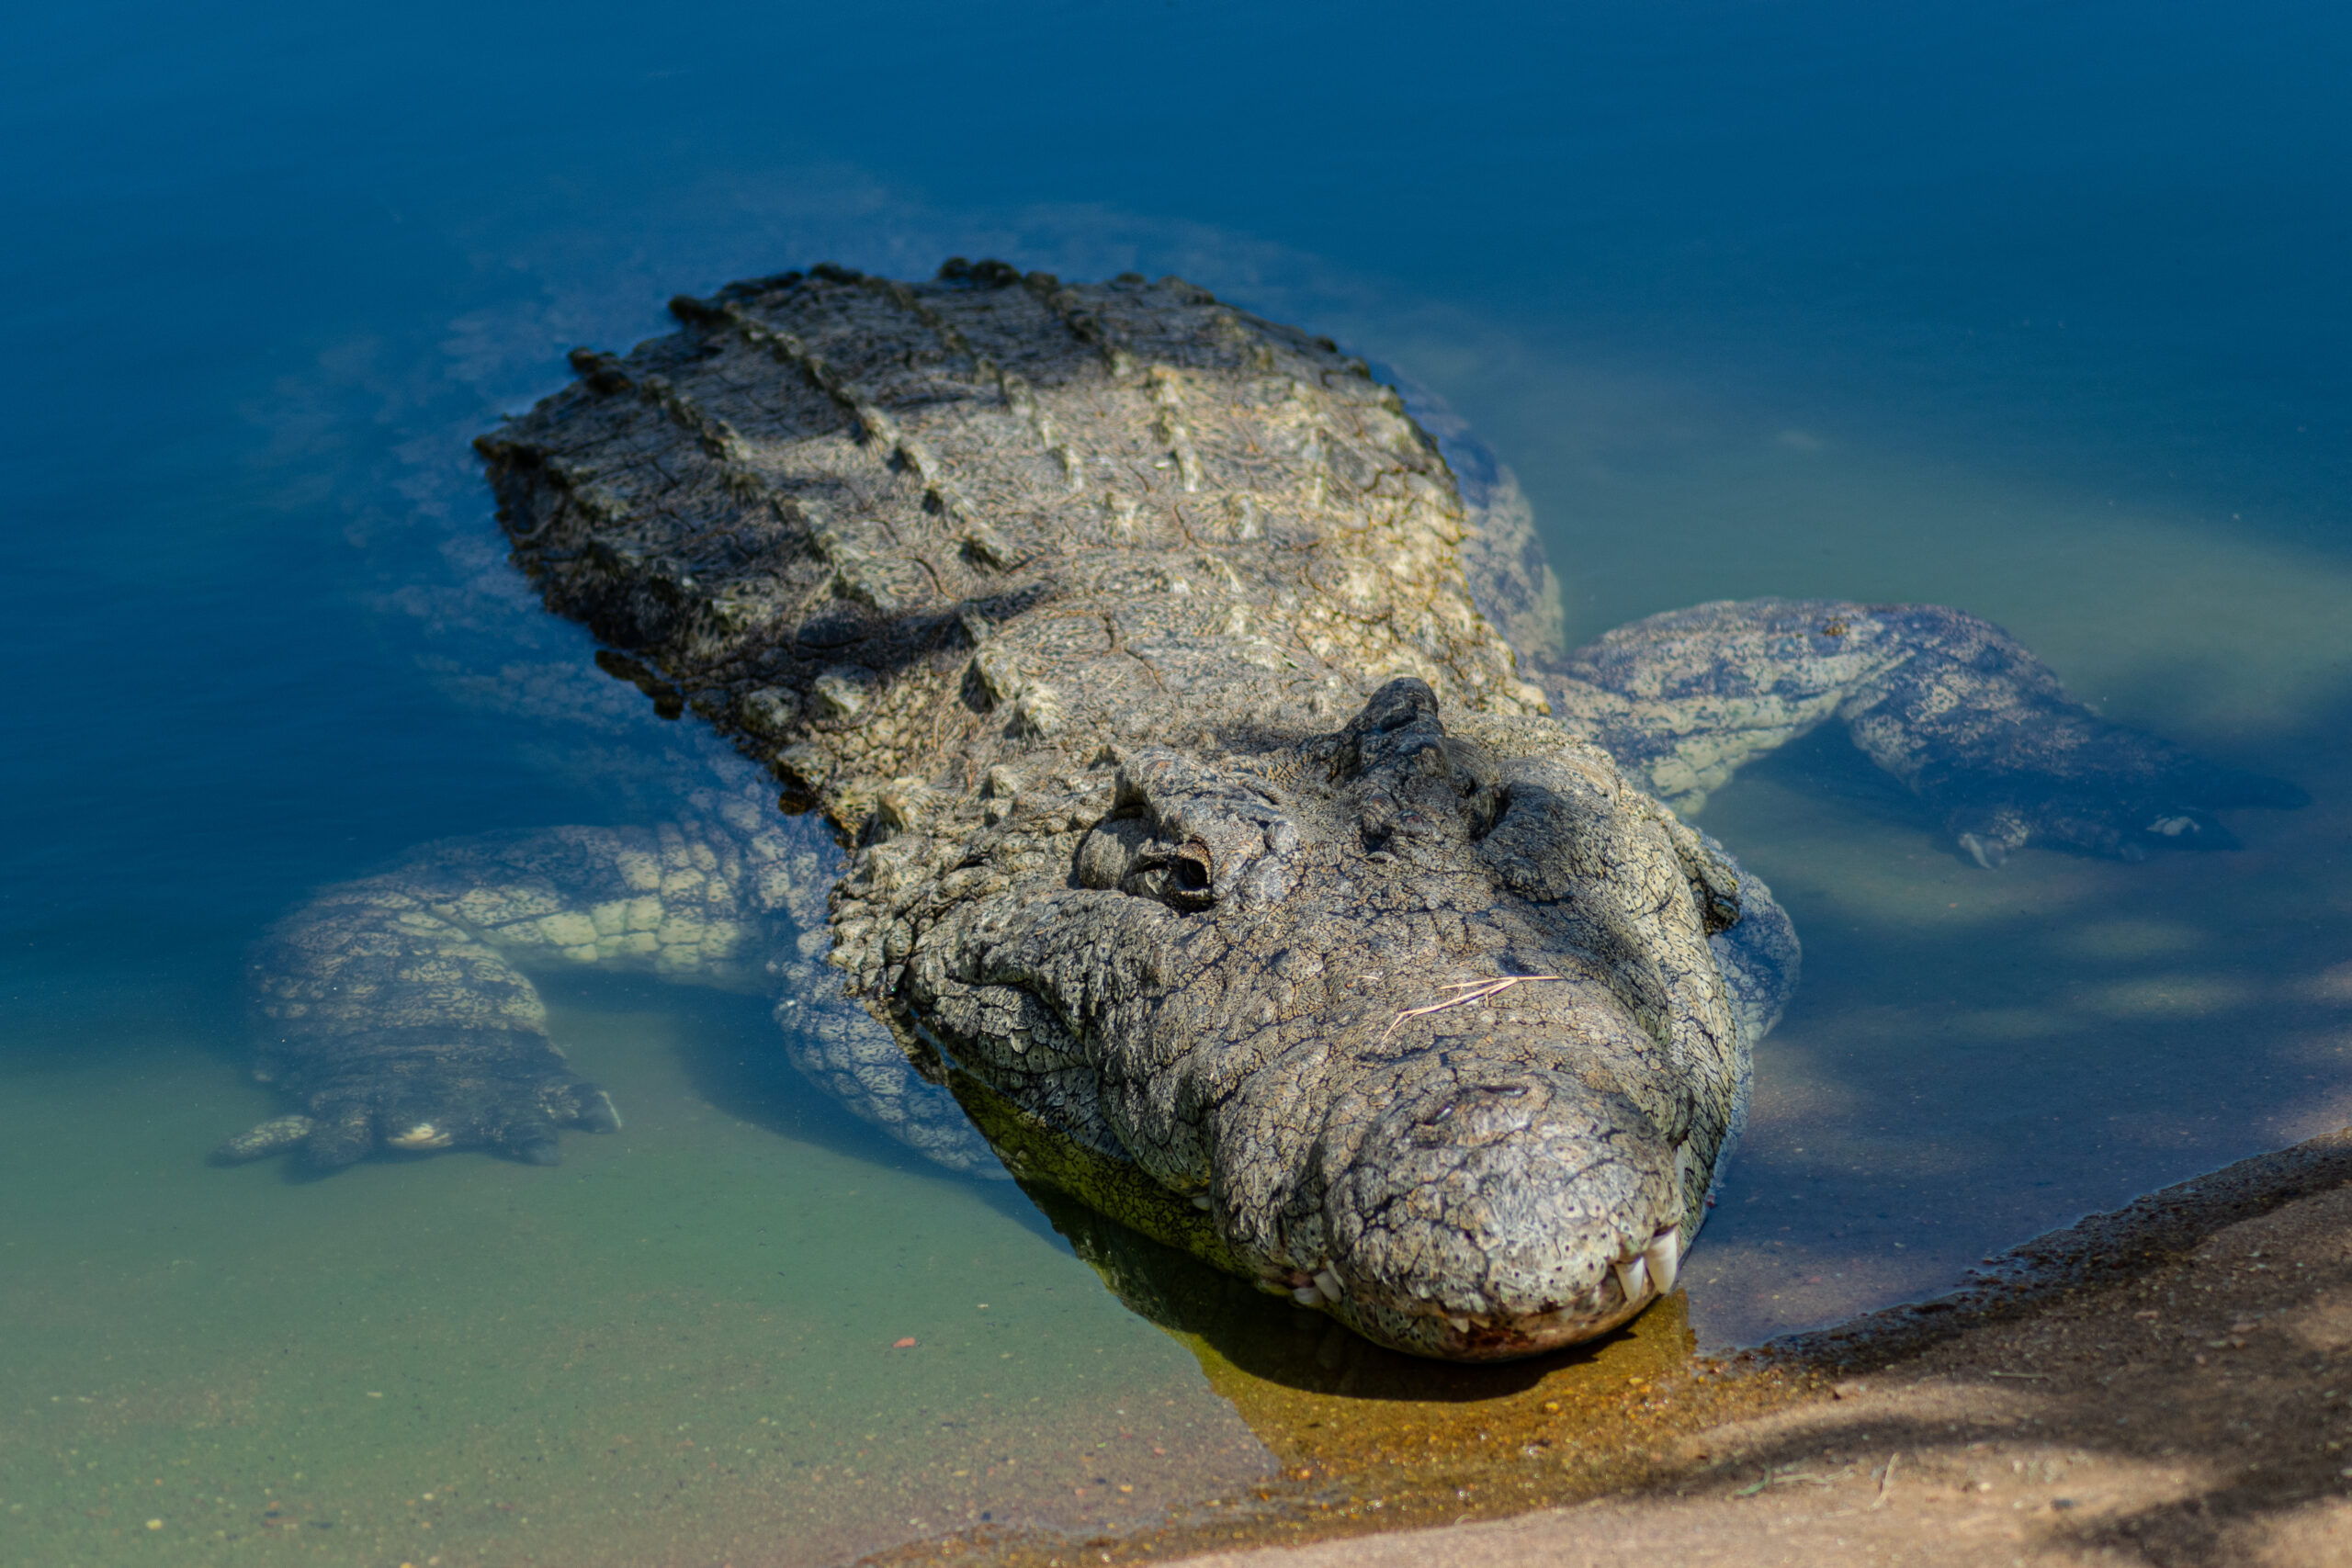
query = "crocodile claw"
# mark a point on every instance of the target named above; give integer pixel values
(347, 1125)
(268, 1138)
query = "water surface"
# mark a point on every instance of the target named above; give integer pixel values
(2029, 309)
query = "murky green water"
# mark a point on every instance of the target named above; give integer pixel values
(2027, 314)
(687, 1342)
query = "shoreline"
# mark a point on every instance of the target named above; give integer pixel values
(2160, 1380)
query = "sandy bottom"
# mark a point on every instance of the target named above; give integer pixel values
(678, 1347)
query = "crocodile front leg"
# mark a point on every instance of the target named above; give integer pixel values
(1977, 726)
(390, 1015)
(395, 1011)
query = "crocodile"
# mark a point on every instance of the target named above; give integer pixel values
(1188, 801)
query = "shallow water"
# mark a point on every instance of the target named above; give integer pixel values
(2029, 311)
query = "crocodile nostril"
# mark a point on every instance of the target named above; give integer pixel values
(1487, 808)
(1477, 1115)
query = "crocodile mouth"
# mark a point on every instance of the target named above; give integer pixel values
(1633, 1283)
(1500, 1213)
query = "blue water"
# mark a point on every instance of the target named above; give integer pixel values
(2035, 309)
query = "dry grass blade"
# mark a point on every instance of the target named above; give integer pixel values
(1469, 991)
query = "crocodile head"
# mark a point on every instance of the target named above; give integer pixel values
(1425, 1022)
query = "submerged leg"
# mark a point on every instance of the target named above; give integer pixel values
(1977, 726)
(394, 1009)
(396, 1012)
(389, 1020)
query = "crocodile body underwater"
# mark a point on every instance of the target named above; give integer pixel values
(1225, 836)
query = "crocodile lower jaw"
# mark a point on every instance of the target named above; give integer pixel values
(1631, 1285)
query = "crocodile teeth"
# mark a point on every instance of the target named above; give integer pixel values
(1634, 1276)
(1329, 1284)
(1307, 1296)
(1664, 1255)
(1201, 1201)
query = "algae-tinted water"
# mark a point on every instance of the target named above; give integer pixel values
(2028, 311)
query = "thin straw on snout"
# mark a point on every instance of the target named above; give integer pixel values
(1471, 991)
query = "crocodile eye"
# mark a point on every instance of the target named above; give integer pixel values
(1183, 876)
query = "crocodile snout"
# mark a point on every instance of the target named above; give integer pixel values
(1502, 1213)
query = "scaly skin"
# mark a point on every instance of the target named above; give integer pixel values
(1202, 837)
(1977, 727)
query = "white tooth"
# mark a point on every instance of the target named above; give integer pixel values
(1665, 1258)
(1201, 1201)
(1329, 1283)
(1633, 1276)
(1461, 1325)
(1307, 1296)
